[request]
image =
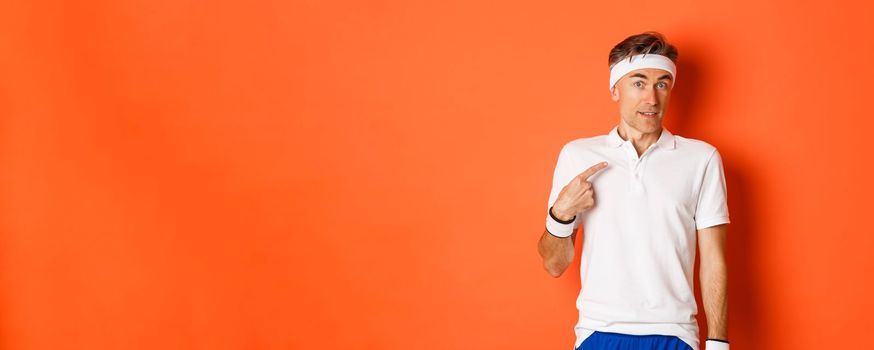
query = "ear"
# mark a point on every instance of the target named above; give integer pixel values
(614, 93)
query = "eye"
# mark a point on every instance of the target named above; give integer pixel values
(638, 83)
(662, 85)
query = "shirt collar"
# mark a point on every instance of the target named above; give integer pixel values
(666, 139)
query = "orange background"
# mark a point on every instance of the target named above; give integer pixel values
(373, 175)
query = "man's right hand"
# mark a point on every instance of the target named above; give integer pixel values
(578, 195)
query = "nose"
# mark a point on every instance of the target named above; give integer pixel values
(650, 96)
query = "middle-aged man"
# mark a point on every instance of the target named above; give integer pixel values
(658, 194)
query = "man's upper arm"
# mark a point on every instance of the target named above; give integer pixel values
(564, 173)
(711, 243)
(711, 215)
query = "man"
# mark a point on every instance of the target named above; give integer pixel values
(657, 194)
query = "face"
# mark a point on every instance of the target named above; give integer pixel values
(643, 97)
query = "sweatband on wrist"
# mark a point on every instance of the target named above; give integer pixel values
(650, 60)
(715, 344)
(559, 229)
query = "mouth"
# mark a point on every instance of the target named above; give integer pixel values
(649, 115)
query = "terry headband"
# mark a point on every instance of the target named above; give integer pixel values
(625, 66)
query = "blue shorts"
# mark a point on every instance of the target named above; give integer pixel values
(618, 341)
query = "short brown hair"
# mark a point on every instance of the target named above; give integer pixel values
(644, 43)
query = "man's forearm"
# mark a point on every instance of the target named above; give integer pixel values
(557, 253)
(714, 290)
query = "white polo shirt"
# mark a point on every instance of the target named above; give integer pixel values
(640, 238)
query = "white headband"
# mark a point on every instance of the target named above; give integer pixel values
(625, 66)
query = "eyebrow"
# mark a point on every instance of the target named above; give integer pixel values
(640, 75)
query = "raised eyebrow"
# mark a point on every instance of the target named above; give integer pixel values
(640, 75)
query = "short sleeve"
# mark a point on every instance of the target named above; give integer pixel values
(563, 174)
(712, 206)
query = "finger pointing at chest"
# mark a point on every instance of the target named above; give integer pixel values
(592, 171)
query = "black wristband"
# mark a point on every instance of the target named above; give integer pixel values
(560, 221)
(719, 340)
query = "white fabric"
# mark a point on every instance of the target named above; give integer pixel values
(715, 345)
(558, 229)
(640, 238)
(625, 66)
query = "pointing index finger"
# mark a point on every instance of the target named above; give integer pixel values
(592, 170)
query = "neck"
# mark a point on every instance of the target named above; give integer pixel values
(640, 140)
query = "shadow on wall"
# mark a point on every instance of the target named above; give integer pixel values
(685, 112)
